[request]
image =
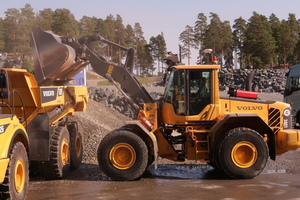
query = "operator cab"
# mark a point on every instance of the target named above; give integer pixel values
(189, 91)
(189, 94)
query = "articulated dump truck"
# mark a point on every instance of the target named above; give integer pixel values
(34, 125)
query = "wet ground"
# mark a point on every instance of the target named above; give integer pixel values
(279, 180)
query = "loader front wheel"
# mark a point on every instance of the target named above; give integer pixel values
(15, 184)
(123, 155)
(243, 153)
(76, 145)
(59, 164)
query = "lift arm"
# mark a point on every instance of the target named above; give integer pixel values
(51, 52)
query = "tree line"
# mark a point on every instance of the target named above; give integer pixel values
(17, 24)
(258, 42)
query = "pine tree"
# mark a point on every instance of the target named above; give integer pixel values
(239, 28)
(295, 32)
(259, 43)
(140, 43)
(188, 42)
(1, 35)
(87, 25)
(45, 19)
(64, 23)
(199, 30)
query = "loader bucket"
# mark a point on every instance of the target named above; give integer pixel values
(54, 62)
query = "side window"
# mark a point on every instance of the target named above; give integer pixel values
(175, 92)
(295, 84)
(199, 90)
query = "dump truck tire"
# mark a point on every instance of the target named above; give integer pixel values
(123, 155)
(76, 145)
(243, 153)
(15, 184)
(59, 164)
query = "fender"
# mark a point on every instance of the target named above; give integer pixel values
(20, 135)
(14, 132)
(133, 125)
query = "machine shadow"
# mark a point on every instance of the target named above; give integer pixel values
(185, 171)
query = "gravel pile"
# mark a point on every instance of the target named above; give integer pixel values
(97, 121)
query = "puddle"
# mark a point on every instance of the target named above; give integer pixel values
(275, 171)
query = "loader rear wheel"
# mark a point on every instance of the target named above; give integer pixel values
(123, 155)
(243, 153)
(59, 164)
(15, 184)
(76, 145)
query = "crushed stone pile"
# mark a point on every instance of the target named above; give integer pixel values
(97, 121)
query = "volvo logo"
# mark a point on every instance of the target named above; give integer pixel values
(49, 93)
(249, 107)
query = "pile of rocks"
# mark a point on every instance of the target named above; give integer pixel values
(110, 97)
(264, 80)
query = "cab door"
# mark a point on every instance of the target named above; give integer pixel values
(188, 97)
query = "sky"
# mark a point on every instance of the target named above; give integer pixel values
(160, 16)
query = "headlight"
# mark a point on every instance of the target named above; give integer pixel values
(287, 112)
(287, 118)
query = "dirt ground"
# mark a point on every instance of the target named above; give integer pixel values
(279, 180)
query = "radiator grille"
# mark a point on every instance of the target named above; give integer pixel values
(274, 118)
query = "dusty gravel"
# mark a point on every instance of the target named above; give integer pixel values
(97, 121)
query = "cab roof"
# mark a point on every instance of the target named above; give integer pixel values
(197, 66)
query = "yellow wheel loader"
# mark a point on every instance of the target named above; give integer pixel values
(236, 134)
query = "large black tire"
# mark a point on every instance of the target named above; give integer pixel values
(76, 145)
(59, 164)
(123, 155)
(15, 184)
(243, 153)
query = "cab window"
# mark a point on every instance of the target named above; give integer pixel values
(199, 90)
(295, 84)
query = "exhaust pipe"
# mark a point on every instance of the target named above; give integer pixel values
(249, 79)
